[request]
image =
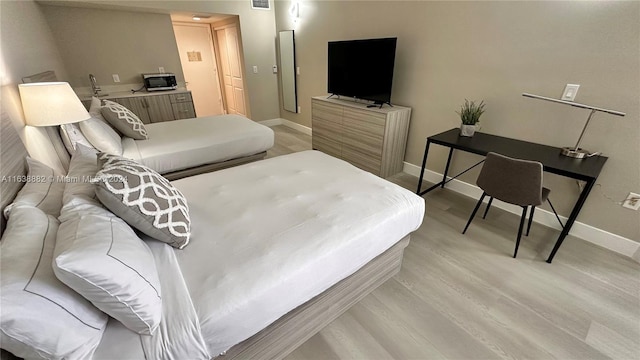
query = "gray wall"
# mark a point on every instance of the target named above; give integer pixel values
(105, 42)
(257, 28)
(448, 51)
(28, 48)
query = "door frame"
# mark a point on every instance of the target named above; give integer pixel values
(216, 56)
(224, 24)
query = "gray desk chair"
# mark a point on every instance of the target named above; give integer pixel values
(514, 181)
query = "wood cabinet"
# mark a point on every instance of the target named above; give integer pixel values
(156, 107)
(372, 139)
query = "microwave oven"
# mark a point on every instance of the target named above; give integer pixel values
(158, 82)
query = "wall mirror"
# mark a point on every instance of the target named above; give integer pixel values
(288, 70)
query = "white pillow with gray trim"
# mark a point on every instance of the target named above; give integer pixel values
(41, 317)
(43, 189)
(101, 258)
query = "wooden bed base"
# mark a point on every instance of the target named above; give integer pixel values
(213, 167)
(287, 333)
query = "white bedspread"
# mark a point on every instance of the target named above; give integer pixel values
(266, 237)
(182, 144)
(270, 235)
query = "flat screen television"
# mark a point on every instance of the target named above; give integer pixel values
(362, 69)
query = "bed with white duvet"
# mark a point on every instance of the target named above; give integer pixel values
(189, 143)
(267, 240)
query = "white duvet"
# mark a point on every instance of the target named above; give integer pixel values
(267, 237)
(187, 143)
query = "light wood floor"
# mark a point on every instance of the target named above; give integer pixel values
(464, 296)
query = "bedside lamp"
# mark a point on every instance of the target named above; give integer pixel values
(576, 151)
(50, 104)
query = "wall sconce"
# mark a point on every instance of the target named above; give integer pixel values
(294, 10)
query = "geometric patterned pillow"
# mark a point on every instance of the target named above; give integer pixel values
(144, 199)
(124, 120)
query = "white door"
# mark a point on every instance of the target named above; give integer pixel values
(195, 46)
(230, 60)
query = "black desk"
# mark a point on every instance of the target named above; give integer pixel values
(580, 169)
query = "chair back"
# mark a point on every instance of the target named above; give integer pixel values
(514, 181)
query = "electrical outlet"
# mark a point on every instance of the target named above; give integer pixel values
(116, 78)
(570, 92)
(299, 109)
(255, 69)
(161, 69)
(632, 201)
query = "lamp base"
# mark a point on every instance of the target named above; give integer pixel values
(578, 153)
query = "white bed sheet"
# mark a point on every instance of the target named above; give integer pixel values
(182, 144)
(268, 236)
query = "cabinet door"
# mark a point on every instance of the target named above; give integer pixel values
(183, 110)
(136, 105)
(159, 107)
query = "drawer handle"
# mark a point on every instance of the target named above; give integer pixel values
(184, 110)
(180, 98)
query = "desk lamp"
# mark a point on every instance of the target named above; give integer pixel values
(50, 104)
(576, 151)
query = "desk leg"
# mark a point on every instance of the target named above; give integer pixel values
(424, 163)
(572, 218)
(446, 169)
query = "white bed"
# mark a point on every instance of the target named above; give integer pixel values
(190, 143)
(278, 249)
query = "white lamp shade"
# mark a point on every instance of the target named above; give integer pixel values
(51, 103)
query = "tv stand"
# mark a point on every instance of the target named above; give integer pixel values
(373, 139)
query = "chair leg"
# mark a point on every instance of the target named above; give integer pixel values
(530, 219)
(474, 212)
(524, 215)
(554, 211)
(488, 206)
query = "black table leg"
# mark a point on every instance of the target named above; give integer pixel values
(446, 169)
(424, 163)
(572, 218)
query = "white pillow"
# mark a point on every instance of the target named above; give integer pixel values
(82, 169)
(101, 136)
(40, 317)
(102, 259)
(43, 189)
(71, 135)
(95, 109)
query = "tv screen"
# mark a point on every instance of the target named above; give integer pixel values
(362, 68)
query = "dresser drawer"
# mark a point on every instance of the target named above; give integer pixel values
(363, 160)
(324, 112)
(181, 97)
(326, 145)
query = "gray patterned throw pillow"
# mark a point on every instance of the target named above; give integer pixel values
(144, 199)
(125, 121)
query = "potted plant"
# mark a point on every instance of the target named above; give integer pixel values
(470, 114)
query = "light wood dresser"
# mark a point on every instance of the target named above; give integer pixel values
(372, 139)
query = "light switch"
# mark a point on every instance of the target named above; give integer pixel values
(161, 69)
(570, 92)
(255, 69)
(297, 70)
(116, 78)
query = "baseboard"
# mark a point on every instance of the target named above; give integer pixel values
(605, 239)
(288, 123)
